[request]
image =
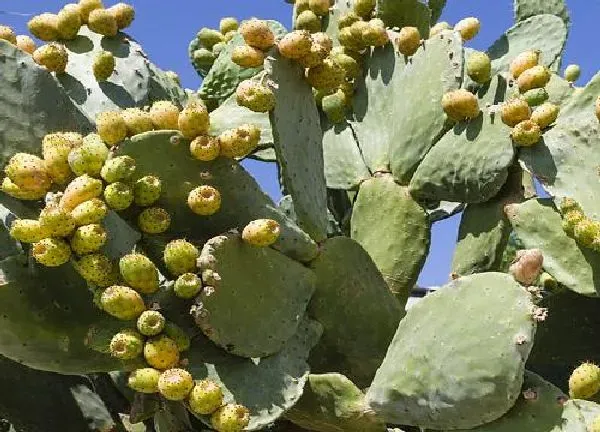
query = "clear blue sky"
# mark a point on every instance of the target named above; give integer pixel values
(164, 28)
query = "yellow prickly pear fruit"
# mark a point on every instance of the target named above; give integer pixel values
(44, 26)
(514, 111)
(261, 232)
(55, 220)
(205, 148)
(137, 121)
(164, 115)
(144, 380)
(126, 345)
(570, 221)
(89, 212)
(586, 231)
(206, 397)
(536, 77)
(161, 352)
(408, 40)
(103, 22)
(7, 34)
(247, 56)
(180, 257)
(326, 76)
(255, 96)
(479, 67)
(460, 105)
(438, 28)
(139, 272)
(527, 266)
(88, 238)
(81, 189)
(175, 384)
(55, 151)
(15, 191)
(87, 6)
(194, 120)
(111, 127)
(228, 24)
(150, 323)
(319, 7)
(375, 33)
(257, 34)
(524, 61)
(545, 114)
(204, 200)
(53, 57)
(154, 220)
(240, 141)
(347, 19)
(572, 73)
(124, 14)
(364, 8)
(28, 172)
(69, 21)
(308, 21)
(103, 66)
(51, 252)
(526, 134)
(468, 28)
(230, 418)
(28, 231)
(320, 48)
(295, 44)
(584, 382)
(96, 269)
(122, 302)
(25, 43)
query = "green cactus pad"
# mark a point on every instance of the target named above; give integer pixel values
(358, 312)
(242, 199)
(267, 387)
(163, 87)
(122, 238)
(330, 22)
(528, 8)
(333, 403)
(437, 8)
(547, 33)
(403, 13)
(443, 391)
(394, 230)
(194, 45)
(538, 225)
(298, 142)
(578, 416)
(25, 91)
(286, 205)
(568, 159)
(559, 90)
(232, 320)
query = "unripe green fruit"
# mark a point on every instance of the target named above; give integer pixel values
(146, 190)
(175, 384)
(206, 397)
(535, 97)
(7, 34)
(101, 21)
(468, 28)
(586, 231)
(438, 28)
(154, 220)
(164, 115)
(334, 107)
(349, 40)
(26, 44)
(536, 77)
(347, 89)
(261, 232)
(122, 302)
(111, 127)
(205, 148)
(524, 61)
(209, 37)
(570, 221)
(228, 24)
(118, 169)
(175, 333)
(161, 352)
(96, 269)
(137, 121)
(347, 19)
(364, 8)
(68, 21)
(126, 345)
(87, 6)
(327, 75)
(572, 73)
(315, 57)
(479, 67)
(150, 323)
(104, 65)
(584, 382)
(180, 257)
(124, 14)
(44, 27)
(204, 57)
(118, 196)
(51, 252)
(10, 188)
(28, 172)
(515, 111)
(545, 114)
(144, 380)
(89, 212)
(187, 286)
(257, 34)
(296, 44)
(230, 418)
(88, 158)
(55, 150)
(255, 96)
(88, 238)
(308, 21)
(460, 105)
(204, 200)
(57, 221)
(247, 56)
(193, 120)
(408, 41)
(28, 231)
(139, 272)
(526, 134)
(319, 7)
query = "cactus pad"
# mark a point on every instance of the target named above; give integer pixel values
(528, 8)
(578, 416)
(403, 13)
(345, 167)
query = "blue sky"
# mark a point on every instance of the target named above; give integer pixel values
(164, 28)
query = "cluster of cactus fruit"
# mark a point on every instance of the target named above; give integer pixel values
(134, 242)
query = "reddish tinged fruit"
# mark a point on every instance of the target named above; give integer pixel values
(126, 345)
(150, 323)
(261, 232)
(408, 40)
(598, 108)
(55, 151)
(536, 77)
(154, 220)
(255, 96)
(515, 111)
(204, 200)
(161, 352)
(175, 384)
(10, 188)
(122, 302)
(247, 56)
(460, 105)
(296, 44)
(88, 238)
(206, 397)
(230, 418)
(51, 252)
(139, 272)
(205, 148)
(527, 266)
(524, 61)
(257, 34)
(144, 380)
(96, 269)
(180, 257)
(25, 43)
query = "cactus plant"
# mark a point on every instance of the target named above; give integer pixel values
(133, 242)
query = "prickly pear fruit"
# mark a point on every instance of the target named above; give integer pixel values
(7, 34)
(514, 111)
(175, 384)
(351, 37)
(89, 212)
(545, 114)
(460, 105)
(124, 14)
(187, 286)
(230, 418)
(10, 188)
(347, 19)
(126, 345)
(349, 64)
(375, 33)
(468, 28)
(28, 172)
(408, 40)
(308, 21)
(568, 205)
(209, 37)
(535, 97)
(536, 77)
(51, 252)
(438, 28)
(326, 76)
(584, 382)
(28, 231)
(255, 96)
(25, 43)
(139, 272)
(240, 141)
(586, 231)
(598, 108)
(570, 221)
(479, 67)
(204, 57)
(257, 34)
(118, 196)
(524, 61)
(96, 269)
(228, 24)
(88, 158)
(526, 133)
(364, 8)
(144, 380)
(101, 21)
(88, 238)
(137, 121)
(181, 339)
(205, 148)
(55, 151)
(52, 56)
(103, 66)
(117, 169)
(57, 221)
(204, 200)
(150, 323)
(122, 302)
(161, 352)
(146, 190)
(206, 397)
(193, 120)
(44, 27)
(154, 220)
(68, 21)
(247, 56)
(334, 107)
(111, 127)
(322, 39)
(295, 44)
(87, 6)
(572, 73)
(527, 266)
(164, 115)
(180, 257)
(261, 232)
(319, 7)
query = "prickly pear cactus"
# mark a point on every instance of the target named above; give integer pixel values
(132, 240)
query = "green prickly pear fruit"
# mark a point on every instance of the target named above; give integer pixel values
(28, 172)
(460, 105)
(57, 221)
(586, 231)
(164, 115)
(118, 196)
(527, 266)
(122, 302)
(206, 397)
(55, 151)
(68, 21)
(364, 8)
(468, 28)
(44, 27)
(139, 272)
(209, 37)
(144, 380)
(88, 158)
(146, 190)
(205, 148)
(103, 66)
(326, 76)
(89, 212)
(118, 169)
(81, 189)
(295, 44)
(126, 345)
(87, 6)
(347, 89)
(572, 73)
(570, 221)
(524, 61)
(247, 56)
(547, 282)
(96, 269)
(350, 40)
(204, 57)
(535, 97)
(334, 106)
(375, 33)
(479, 67)
(28, 231)
(228, 24)
(308, 21)
(257, 34)
(536, 77)
(526, 134)
(51, 252)
(154, 220)
(240, 141)
(347, 19)
(101, 21)
(261, 232)
(26, 44)
(137, 121)
(187, 286)
(175, 384)
(111, 127)
(319, 7)
(545, 114)
(584, 382)
(161, 352)
(124, 14)
(514, 111)
(204, 200)
(408, 41)
(52, 56)
(230, 418)
(181, 339)
(255, 96)
(193, 120)
(438, 28)
(180, 257)
(7, 34)
(88, 238)
(150, 323)
(10, 188)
